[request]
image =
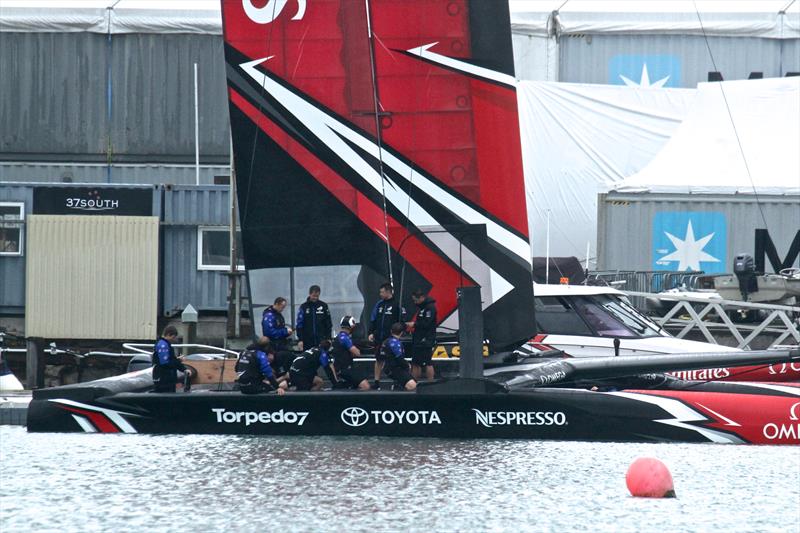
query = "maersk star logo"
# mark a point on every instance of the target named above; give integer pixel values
(644, 80)
(689, 251)
(651, 71)
(689, 241)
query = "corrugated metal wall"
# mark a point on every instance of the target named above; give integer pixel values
(626, 225)
(185, 209)
(98, 173)
(55, 89)
(12, 268)
(92, 277)
(601, 58)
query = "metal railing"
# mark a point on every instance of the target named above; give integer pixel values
(648, 280)
(142, 348)
(786, 316)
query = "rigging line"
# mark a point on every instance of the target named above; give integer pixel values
(378, 137)
(786, 8)
(410, 169)
(730, 116)
(245, 211)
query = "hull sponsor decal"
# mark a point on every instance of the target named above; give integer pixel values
(357, 417)
(248, 418)
(520, 418)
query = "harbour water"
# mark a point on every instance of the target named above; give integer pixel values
(97, 482)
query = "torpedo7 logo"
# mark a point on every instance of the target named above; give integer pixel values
(271, 10)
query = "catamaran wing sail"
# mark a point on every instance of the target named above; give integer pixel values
(569, 370)
(383, 134)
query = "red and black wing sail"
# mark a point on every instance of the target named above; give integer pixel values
(383, 133)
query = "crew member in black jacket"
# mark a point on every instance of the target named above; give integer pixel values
(253, 369)
(386, 312)
(423, 336)
(303, 372)
(165, 364)
(313, 320)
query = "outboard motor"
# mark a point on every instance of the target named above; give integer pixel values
(744, 268)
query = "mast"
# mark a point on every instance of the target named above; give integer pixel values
(376, 105)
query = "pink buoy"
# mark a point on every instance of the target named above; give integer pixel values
(649, 478)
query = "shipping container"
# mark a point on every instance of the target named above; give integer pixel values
(123, 97)
(15, 202)
(196, 248)
(92, 277)
(118, 174)
(655, 231)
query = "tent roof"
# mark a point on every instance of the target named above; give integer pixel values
(776, 19)
(732, 18)
(754, 148)
(127, 16)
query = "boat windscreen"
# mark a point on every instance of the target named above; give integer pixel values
(612, 317)
(557, 316)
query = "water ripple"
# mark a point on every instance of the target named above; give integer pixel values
(95, 483)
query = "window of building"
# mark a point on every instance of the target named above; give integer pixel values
(213, 248)
(12, 217)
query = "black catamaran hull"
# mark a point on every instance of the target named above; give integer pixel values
(559, 414)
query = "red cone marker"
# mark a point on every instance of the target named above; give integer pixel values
(649, 478)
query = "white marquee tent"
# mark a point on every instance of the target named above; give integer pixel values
(579, 140)
(739, 137)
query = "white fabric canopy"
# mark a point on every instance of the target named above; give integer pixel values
(761, 18)
(754, 18)
(127, 16)
(579, 140)
(704, 155)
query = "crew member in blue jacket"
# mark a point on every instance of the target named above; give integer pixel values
(385, 313)
(391, 357)
(343, 351)
(254, 371)
(303, 373)
(274, 326)
(165, 364)
(313, 320)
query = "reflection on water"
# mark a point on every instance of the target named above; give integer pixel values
(77, 482)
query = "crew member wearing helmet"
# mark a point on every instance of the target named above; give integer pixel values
(254, 370)
(343, 352)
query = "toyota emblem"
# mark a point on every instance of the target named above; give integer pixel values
(354, 416)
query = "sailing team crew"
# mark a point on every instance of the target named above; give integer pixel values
(343, 353)
(274, 326)
(313, 320)
(268, 365)
(254, 369)
(165, 364)
(387, 312)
